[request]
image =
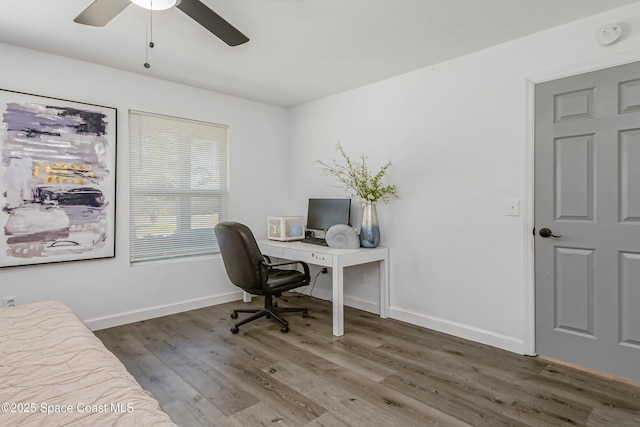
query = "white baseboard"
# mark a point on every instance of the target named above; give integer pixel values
(452, 328)
(460, 330)
(467, 332)
(159, 311)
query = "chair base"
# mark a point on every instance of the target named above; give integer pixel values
(270, 311)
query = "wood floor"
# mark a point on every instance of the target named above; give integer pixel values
(382, 372)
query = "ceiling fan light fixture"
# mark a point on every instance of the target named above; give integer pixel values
(157, 4)
(101, 12)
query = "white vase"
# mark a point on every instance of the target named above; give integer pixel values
(370, 230)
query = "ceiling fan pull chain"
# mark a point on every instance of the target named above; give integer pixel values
(150, 43)
(146, 51)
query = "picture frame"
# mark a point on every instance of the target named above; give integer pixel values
(57, 180)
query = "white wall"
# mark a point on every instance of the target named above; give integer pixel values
(458, 135)
(109, 291)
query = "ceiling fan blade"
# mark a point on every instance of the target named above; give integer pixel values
(213, 22)
(100, 12)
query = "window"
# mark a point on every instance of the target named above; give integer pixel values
(178, 186)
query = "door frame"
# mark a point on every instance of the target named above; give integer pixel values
(528, 220)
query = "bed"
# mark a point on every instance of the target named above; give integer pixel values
(55, 371)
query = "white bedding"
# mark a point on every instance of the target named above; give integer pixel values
(54, 371)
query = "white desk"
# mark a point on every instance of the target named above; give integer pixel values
(337, 259)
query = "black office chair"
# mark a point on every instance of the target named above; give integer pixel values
(254, 273)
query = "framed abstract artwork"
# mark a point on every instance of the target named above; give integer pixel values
(57, 180)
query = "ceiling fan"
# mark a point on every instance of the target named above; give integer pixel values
(100, 12)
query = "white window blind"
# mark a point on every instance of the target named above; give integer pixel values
(178, 186)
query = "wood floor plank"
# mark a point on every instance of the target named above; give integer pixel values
(263, 414)
(331, 396)
(611, 417)
(241, 367)
(210, 383)
(336, 353)
(382, 372)
(164, 384)
(328, 420)
(245, 368)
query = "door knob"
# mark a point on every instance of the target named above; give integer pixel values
(545, 232)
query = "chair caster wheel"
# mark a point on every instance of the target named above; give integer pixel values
(268, 316)
(234, 315)
(305, 314)
(284, 329)
(235, 330)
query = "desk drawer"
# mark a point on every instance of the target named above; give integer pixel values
(310, 257)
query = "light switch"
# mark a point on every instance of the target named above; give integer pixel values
(513, 207)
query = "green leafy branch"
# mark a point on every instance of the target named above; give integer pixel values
(356, 177)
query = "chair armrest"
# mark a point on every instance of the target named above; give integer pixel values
(304, 265)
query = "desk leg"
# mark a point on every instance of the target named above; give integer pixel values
(338, 303)
(384, 288)
(246, 297)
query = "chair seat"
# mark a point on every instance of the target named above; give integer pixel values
(283, 280)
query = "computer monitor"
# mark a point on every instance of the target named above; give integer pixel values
(323, 214)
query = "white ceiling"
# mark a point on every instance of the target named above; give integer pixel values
(299, 50)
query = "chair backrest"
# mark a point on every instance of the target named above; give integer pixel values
(241, 256)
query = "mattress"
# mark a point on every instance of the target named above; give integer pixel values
(54, 371)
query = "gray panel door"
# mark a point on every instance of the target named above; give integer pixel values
(587, 191)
